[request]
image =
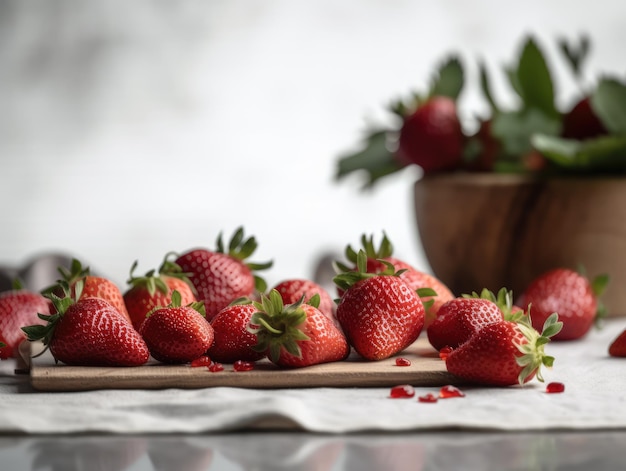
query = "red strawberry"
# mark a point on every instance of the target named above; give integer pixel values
(459, 319)
(433, 292)
(296, 335)
(581, 122)
(569, 294)
(487, 146)
(5, 349)
(431, 136)
(233, 341)
(19, 308)
(618, 346)
(176, 333)
(92, 286)
(293, 289)
(503, 353)
(220, 277)
(379, 313)
(89, 332)
(155, 290)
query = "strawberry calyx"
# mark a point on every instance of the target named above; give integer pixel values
(278, 326)
(426, 292)
(598, 287)
(533, 355)
(348, 276)
(153, 280)
(176, 301)
(504, 300)
(45, 332)
(241, 248)
(384, 250)
(76, 272)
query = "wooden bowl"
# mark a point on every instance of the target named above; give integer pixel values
(496, 230)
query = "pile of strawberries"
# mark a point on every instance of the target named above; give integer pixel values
(538, 132)
(209, 307)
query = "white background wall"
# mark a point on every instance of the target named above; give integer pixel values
(129, 129)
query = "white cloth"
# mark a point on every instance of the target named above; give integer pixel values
(594, 398)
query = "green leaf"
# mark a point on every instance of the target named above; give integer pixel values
(551, 326)
(485, 86)
(601, 154)
(575, 54)
(609, 103)
(426, 292)
(511, 73)
(516, 128)
(548, 361)
(535, 81)
(449, 79)
(315, 300)
(375, 159)
(599, 284)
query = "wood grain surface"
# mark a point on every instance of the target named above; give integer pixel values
(502, 230)
(426, 369)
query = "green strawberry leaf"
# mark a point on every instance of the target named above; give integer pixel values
(551, 326)
(375, 159)
(449, 79)
(314, 301)
(609, 103)
(485, 86)
(515, 129)
(599, 284)
(548, 361)
(601, 154)
(425, 292)
(534, 80)
(575, 54)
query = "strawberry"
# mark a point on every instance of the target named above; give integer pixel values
(233, 341)
(177, 333)
(296, 335)
(459, 319)
(503, 353)
(618, 346)
(432, 137)
(484, 149)
(220, 276)
(581, 122)
(6, 351)
(571, 295)
(154, 290)
(433, 292)
(293, 289)
(18, 308)
(92, 286)
(379, 313)
(87, 331)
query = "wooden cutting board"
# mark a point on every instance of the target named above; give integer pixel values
(426, 369)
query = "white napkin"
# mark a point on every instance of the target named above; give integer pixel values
(594, 398)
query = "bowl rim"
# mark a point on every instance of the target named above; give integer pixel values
(510, 179)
